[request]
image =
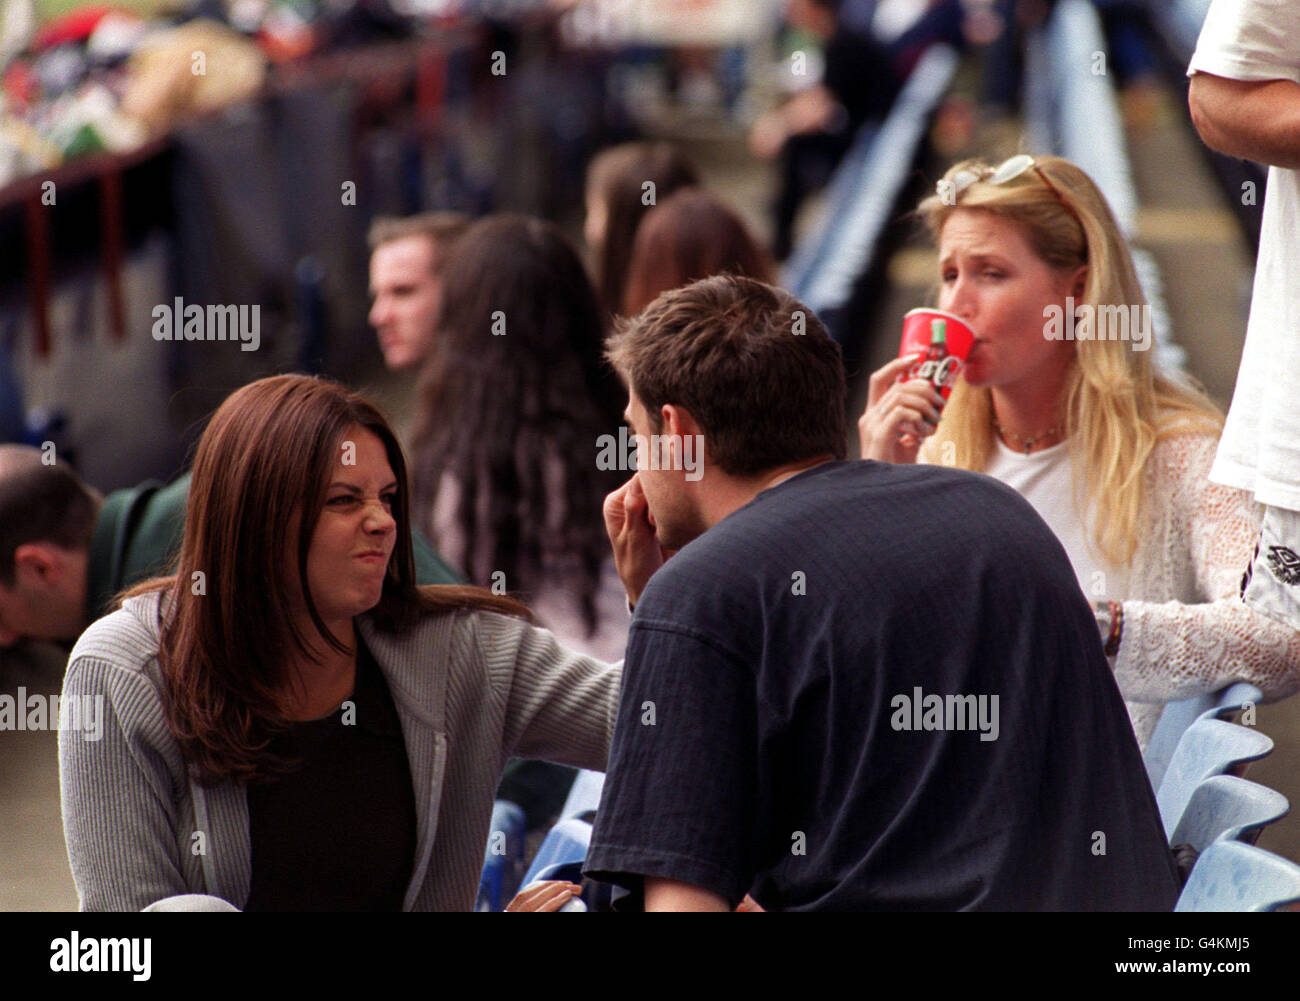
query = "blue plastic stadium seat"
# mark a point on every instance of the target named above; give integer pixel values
(1209, 747)
(562, 853)
(584, 796)
(503, 858)
(1178, 716)
(11, 400)
(1231, 876)
(1224, 807)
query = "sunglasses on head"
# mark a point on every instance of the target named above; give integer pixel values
(1004, 173)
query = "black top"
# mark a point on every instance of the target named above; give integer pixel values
(337, 833)
(778, 730)
(860, 73)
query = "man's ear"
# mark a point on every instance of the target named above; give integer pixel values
(685, 438)
(677, 421)
(36, 563)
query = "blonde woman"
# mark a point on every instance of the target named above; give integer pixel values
(1060, 400)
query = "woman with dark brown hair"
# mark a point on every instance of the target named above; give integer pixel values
(513, 403)
(623, 183)
(690, 235)
(293, 724)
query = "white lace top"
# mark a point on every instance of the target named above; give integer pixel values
(1186, 629)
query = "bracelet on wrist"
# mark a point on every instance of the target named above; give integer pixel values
(1116, 609)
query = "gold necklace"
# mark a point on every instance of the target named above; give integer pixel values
(1027, 443)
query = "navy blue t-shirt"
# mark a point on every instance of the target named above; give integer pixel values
(878, 687)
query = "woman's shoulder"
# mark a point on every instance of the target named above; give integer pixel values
(127, 638)
(495, 636)
(116, 658)
(1184, 449)
(1179, 479)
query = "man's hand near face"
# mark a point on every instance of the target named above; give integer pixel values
(637, 553)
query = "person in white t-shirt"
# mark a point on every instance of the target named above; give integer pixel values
(1113, 454)
(1245, 101)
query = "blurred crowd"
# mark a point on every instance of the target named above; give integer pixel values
(728, 640)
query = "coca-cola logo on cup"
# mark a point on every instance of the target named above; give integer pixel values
(939, 342)
(941, 372)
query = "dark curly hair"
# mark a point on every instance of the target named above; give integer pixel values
(505, 415)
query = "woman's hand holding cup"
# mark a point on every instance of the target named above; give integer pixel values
(899, 415)
(902, 412)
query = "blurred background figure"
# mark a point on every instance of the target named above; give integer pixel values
(49, 516)
(689, 235)
(815, 128)
(512, 401)
(407, 259)
(1132, 56)
(867, 53)
(623, 183)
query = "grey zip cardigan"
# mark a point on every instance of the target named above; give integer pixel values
(471, 689)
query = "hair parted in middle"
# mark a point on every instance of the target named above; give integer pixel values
(1117, 404)
(514, 419)
(261, 471)
(753, 365)
(617, 180)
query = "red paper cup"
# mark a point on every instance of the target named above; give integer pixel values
(941, 368)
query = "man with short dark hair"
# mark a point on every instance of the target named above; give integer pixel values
(855, 685)
(47, 518)
(65, 551)
(406, 264)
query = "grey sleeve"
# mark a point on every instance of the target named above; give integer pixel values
(559, 705)
(119, 816)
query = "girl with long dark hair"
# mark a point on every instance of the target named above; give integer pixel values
(514, 402)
